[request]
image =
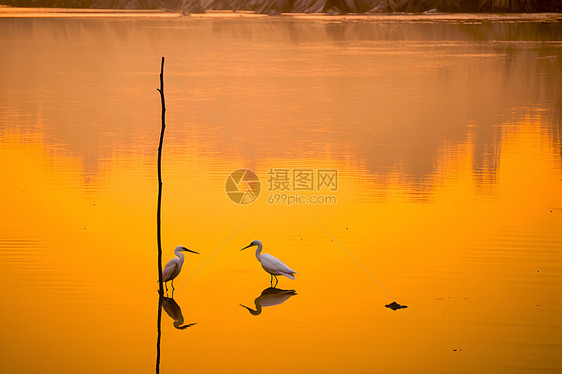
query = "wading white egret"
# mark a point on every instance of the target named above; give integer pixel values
(271, 264)
(173, 267)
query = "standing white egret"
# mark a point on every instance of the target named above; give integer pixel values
(271, 264)
(173, 267)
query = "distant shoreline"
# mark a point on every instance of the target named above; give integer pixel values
(8, 12)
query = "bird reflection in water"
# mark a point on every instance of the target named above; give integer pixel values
(269, 297)
(174, 311)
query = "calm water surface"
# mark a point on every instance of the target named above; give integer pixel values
(447, 141)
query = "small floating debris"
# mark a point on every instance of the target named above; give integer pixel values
(395, 306)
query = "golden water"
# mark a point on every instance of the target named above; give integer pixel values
(446, 137)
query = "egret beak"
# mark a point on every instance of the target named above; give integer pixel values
(189, 250)
(248, 246)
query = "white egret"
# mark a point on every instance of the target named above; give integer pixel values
(173, 267)
(271, 264)
(270, 297)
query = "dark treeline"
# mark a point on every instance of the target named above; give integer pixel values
(306, 6)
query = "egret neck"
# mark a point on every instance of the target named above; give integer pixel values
(178, 252)
(258, 251)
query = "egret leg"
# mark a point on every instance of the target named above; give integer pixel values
(276, 281)
(271, 280)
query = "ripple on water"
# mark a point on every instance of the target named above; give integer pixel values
(26, 264)
(518, 256)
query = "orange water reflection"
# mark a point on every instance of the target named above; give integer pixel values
(448, 195)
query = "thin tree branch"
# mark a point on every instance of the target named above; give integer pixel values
(159, 210)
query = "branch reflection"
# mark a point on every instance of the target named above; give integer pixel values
(159, 329)
(269, 297)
